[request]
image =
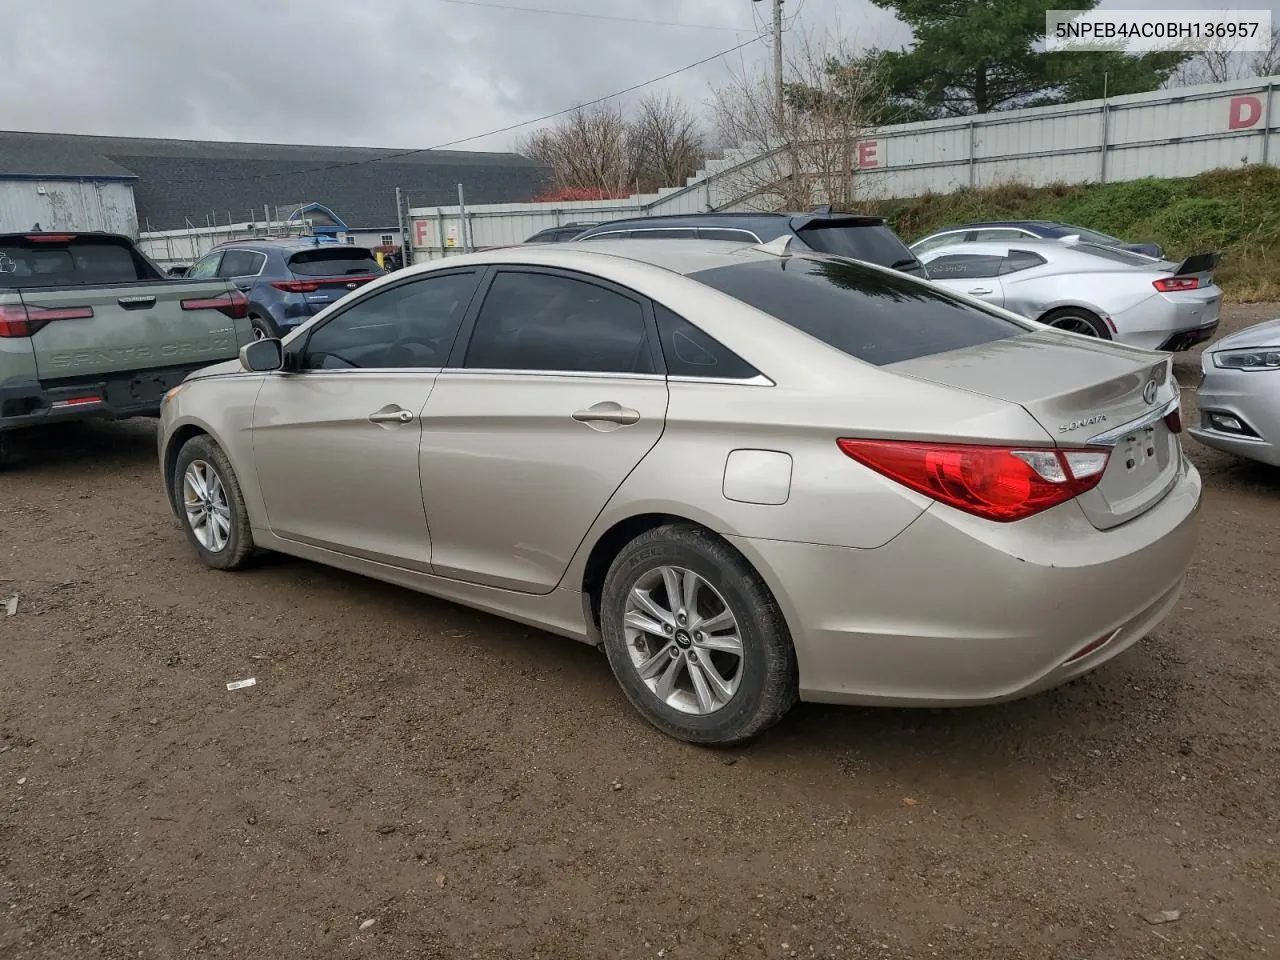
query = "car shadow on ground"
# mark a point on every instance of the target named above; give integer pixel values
(80, 444)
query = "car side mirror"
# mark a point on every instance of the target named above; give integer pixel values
(262, 356)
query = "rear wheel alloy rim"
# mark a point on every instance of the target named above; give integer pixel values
(1075, 324)
(205, 500)
(683, 640)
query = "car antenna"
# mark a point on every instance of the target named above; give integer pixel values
(777, 248)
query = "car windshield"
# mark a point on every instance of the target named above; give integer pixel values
(867, 313)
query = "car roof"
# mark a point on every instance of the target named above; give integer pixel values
(1054, 251)
(723, 219)
(289, 243)
(981, 224)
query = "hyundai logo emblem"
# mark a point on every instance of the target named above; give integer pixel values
(1149, 391)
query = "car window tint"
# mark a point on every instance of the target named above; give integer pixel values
(869, 314)
(240, 263)
(689, 352)
(541, 321)
(1016, 260)
(715, 233)
(57, 261)
(964, 266)
(334, 261)
(206, 268)
(409, 325)
(997, 235)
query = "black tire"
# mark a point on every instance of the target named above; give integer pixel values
(263, 328)
(238, 549)
(768, 681)
(1077, 320)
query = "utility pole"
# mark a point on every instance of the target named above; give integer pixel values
(777, 54)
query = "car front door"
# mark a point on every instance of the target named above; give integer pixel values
(336, 439)
(551, 402)
(974, 274)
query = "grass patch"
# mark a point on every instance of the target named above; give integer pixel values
(1233, 212)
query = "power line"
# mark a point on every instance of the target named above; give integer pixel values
(400, 154)
(592, 16)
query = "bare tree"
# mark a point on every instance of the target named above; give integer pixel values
(667, 142)
(1220, 63)
(590, 149)
(805, 152)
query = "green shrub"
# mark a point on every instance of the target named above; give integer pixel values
(1234, 212)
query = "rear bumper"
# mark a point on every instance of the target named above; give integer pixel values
(1186, 339)
(959, 611)
(1171, 321)
(137, 394)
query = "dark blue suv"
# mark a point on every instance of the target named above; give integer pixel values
(859, 237)
(288, 280)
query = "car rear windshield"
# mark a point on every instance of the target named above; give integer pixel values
(27, 262)
(331, 262)
(871, 315)
(875, 244)
(1115, 254)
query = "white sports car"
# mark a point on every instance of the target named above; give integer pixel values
(1088, 288)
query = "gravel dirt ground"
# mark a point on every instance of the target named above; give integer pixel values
(412, 779)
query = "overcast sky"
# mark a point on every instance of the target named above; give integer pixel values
(395, 73)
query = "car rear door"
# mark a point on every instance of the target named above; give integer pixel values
(336, 438)
(550, 403)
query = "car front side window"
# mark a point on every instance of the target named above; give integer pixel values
(207, 268)
(410, 325)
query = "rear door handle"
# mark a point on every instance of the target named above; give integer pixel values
(608, 412)
(391, 414)
(977, 290)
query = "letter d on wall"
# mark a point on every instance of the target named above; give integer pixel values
(1245, 112)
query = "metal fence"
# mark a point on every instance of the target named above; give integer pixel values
(1168, 133)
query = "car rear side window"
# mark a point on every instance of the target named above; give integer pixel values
(544, 321)
(240, 263)
(720, 233)
(877, 317)
(333, 261)
(1016, 260)
(689, 352)
(80, 260)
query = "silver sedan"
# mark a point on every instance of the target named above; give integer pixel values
(750, 475)
(1239, 397)
(1090, 289)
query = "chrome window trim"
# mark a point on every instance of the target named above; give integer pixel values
(1113, 436)
(760, 380)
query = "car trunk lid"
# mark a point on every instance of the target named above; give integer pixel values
(1083, 393)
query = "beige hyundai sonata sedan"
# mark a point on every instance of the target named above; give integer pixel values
(752, 476)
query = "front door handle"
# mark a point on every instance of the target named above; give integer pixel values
(979, 290)
(608, 412)
(391, 414)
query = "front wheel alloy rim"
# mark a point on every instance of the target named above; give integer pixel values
(205, 500)
(1074, 324)
(259, 333)
(683, 640)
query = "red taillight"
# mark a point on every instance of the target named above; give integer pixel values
(311, 286)
(21, 322)
(51, 237)
(233, 303)
(1177, 284)
(997, 483)
(295, 286)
